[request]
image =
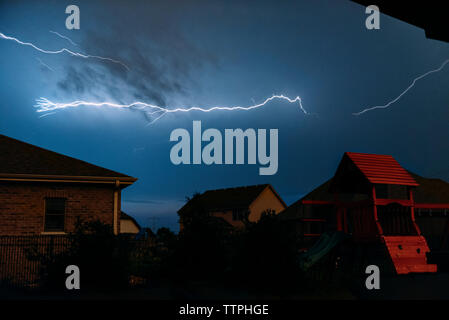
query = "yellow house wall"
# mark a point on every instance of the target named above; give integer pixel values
(127, 226)
(266, 200)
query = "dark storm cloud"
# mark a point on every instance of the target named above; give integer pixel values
(74, 81)
(161, 60)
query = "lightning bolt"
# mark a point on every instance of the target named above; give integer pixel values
(76, 54)
(405, 91)
(64, 37)
(43, 64)
(45, 105)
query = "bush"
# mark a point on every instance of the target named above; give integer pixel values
(102, 258)
(266, 255)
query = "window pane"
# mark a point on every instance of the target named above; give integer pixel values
(54, 223)
(55, 206)
(54, 214)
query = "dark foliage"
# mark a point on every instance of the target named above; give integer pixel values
(102, 257)
(265, 255)
(201, 250)
(262, 256)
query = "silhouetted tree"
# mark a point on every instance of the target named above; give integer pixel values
(166, 237)
(265, 254)
(202, 247)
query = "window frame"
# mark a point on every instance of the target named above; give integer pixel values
(46, 230)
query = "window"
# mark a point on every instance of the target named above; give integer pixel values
(381, 191)
(54, 214)
(391, 191)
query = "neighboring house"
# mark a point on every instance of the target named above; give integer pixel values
(43, 192)
(128, 225)
(373, 199)
(233, 204)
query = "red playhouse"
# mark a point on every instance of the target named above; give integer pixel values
(373, 199)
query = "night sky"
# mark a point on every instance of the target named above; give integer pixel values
(207, 53)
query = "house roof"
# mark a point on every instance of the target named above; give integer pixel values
(320, 193)
(383, 169)
(431, 190)
(19, 158)
(231, 198)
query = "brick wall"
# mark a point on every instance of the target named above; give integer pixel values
(22, 205)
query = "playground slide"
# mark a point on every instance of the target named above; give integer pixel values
(325, 243)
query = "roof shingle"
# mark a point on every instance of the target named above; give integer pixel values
(383, 169)
(230, 198)
(17, 157)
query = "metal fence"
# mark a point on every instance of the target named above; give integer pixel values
(20, 262)
(23, 258)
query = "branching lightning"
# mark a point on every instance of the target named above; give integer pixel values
(405, 91)
(156, 112)
(76, 54)
(45, 105)
(48, 107)
(64, 37)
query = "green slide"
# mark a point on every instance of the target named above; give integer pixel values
(325, 243)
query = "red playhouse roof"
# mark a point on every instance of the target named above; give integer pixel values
(382, 169)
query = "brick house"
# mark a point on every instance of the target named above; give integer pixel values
(232, 204)
(44, 192)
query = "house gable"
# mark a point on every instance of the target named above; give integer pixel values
(128, 225)
(268, 199)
